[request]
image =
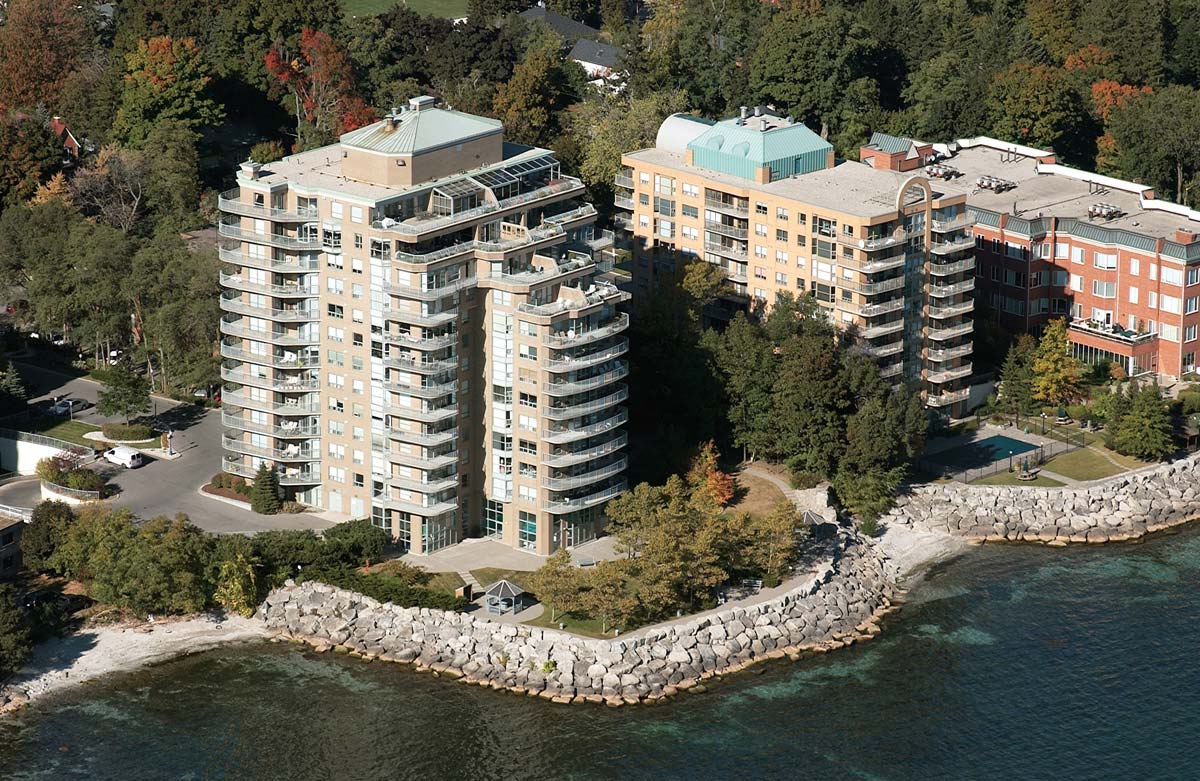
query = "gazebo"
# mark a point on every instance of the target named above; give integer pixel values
(503, 596)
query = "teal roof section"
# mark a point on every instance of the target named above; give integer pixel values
(420, 131)
(889, 144)
(787, 148)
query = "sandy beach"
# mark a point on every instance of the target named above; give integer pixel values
(96, 652)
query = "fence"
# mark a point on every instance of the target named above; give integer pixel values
(1013, 463)
(1072, 433)
(39, 439)
(77, 494)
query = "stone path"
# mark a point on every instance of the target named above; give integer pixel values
(814, 500)
(470, 580)
(1056, 476)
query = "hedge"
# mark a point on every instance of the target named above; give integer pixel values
(385, 589)
(127, 432)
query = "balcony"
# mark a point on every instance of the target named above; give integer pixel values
(725, 229)
(875, 310)
(417, 225)
(434, 486)
(948, 375)
(950, 332)
(882, 242)
(295, 266)
(438, 289)
(415, 317)
(942, 312)
(290, 406)
(949, 353)
(288, 476)
(603, 293)
(230, 202)
(419, 415)
(423, 438)
(871, 288)
(876, 331)
(238, 282)
(590, 358)
(948, 247)
(584, 212)
(945, 291)
(562, 434)
(296, 430)
(883, 264)
(621, 180)
(284, 384)
(623, 202)
(429, 391)
(725, 250)
(949, 226)
(290, 315)
(234, 444)
(561, 458)
(595, 475)
(727, 207)
(946, 269)
(559, 506)
(578, 386)
(423, 461)
(421, 366)
(439, 342)
(948, 398)
(1111, 332)
(884, 350)
(231, 326)
(270, 239)
(569, 411)
(285, 361)
(425, 508)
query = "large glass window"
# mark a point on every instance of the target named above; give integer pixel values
(493, 518)
(527, 530)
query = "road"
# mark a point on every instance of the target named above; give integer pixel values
(161, 487)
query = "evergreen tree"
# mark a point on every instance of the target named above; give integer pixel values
(16, 639)
(1145, 432)
(12, 388)
(165, 79)
(47, 528)
(1016, 375)
(264, 494)
(1056, 373)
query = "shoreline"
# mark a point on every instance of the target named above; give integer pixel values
(65, 662)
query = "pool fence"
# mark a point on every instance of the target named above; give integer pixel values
(1015, 462)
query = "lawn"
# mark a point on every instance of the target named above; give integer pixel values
(754, 495)
(1083, 464)
(489, 575)
(61, 428)
(580, 626)
(448, 582)
(447, 9)
(445, 581)
(1010, 478)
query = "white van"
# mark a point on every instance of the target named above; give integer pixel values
(124, 456)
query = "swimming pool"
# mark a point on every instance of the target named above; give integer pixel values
(981, 453)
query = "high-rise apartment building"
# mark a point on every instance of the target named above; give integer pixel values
(1122, 266)
(415, 331)
(883, 247)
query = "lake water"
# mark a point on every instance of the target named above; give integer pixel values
(1013, 662)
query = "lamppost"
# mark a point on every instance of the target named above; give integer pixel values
(1043, 424)
(1010, 455)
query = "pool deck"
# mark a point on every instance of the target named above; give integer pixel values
(989, 430)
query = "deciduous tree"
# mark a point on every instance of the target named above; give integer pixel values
(607, 598)
(165, 79)
(321, 80)
(1057, 375)
(558, 584)
(41, 42)
(16, 639)
(237, 586)
(773, 540)
(29, 155)
(123, 392)
(47, 528)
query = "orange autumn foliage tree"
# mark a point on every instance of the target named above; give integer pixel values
(41, 42)
(1108, 96)
(706, 478)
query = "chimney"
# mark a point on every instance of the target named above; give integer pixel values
(758, 111)
(745, 112)
(250, 169)
(1186, 235)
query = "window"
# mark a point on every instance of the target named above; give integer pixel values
(356, 340)
(335, 209)
(1133, 295)
(528, 351)
(356, 315)
(358, 480)
(1169, 332)
(760, 229)
(527, 493)
(333, 261)
(847, 230)
(781, 213)
(1106, 261)
(334, 285)
(335, 311)
(356, 386)
(801, 219)
(1134, 266)
(644, 199)
(528, 400)
(692, 191)
(1189, 333)
(1076, 254)
(825, 227)
(1154, 271)
(525, 328)
(1152, 300)
(1061, 249)
(337, 428)
(1059, 278)
(337, 451)
(760, 251)
(526, 470)
(1077, 283)
(356, 214)
(335, 380)
(1104, 289)
(760, 272)
(336, 405)
(1172, 276)
(527, 530)
(336, 357)
(1193, 276)
(525, 446)
(760, 207)
(689, 232)
(781, 256)
(527, 422)
(358, 241)
(1171, 304)
(1192, 304)
(781, 235)
(337, 475)
(780, 278)
(689, 211)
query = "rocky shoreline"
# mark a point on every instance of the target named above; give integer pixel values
(839, 605)
(1121, 508)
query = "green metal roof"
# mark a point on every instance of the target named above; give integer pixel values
(889, 144)
(420, 131)
(740, 150)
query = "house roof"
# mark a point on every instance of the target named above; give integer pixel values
(504, 589)
(889, 144)
(593, 53)
(420, 131)
(741, 146)
(567, 28)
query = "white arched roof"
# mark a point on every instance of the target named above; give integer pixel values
(679, 130)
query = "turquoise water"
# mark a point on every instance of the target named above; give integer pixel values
(981, 453)
(1014, 662)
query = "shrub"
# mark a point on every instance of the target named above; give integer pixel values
(85, 480)
(386, 589)
(869, 526)
(16, 641)
(354, 543)
(43, 534)
(804, 480)
(126, 432)
(290, 507)
(53, 469)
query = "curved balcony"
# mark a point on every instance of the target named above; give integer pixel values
(871, 288)
(594, 475)
(421, 461)
(884, 350)
(418, 415)
(431, 391)
(573, 338)
(949, 332)
(949, 353)
(568, 411)
(238, 282)
(292, 361)
(290, 407)
(875, 310)
(591, 358)
(948, 375)
(949, 226)
(418, 366)
(725, 250)
(425, 439)
(878, 265)
(565, 434)
(946, 269)
(288, 476)
(429, 293)
(561, 458)
(566, 505)
(230, 202)
(623, 202)
(410, 317)
(962, 308)
(295, 315)
(876, 331)
(891, 370)
(296, 430)
(423, 486)
(948, 247)
(292, 453)
(286, 384)
(426, 508)
(882, 242)
(230, 326)
(422, 342)
(579, 385)
(239, 258)
(948, 398)
(228, 231)
(945, 291)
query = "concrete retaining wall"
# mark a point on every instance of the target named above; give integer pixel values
(1121, 508)
(22, 457)
(836, 606)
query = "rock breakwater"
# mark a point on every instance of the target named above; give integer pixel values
(838, 604)
(1124, 507)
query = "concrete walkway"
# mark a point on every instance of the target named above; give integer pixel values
(475, 553)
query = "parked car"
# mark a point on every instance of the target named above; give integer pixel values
(127, 457)
(68, 406)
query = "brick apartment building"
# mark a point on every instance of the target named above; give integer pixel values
(885, 249)
(415, 331)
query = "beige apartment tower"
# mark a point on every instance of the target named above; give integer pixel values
(884, 245)
(415, 331)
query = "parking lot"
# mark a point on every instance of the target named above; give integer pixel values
(161, 487)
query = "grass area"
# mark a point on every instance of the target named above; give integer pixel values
(580, 626)
(489, 575)
(1010, 478)
(447, 9)
(445, 581)
(60, 428)
(754, 495)
(448, 582)
(1083, 464)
